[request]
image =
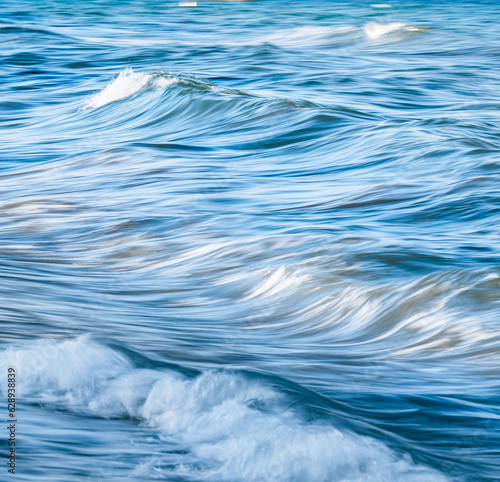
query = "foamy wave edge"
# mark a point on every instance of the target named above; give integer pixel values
(126, 84)
(376, 30)
(235, 427)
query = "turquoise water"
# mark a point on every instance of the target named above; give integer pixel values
(251, 241)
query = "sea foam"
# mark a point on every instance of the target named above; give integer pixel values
(230, 426)
(126, 84)
(376, 30)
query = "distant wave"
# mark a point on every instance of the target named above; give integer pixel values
(325, 36)
(377, 30)
(231, 426)
(304, 36)
(307, 36)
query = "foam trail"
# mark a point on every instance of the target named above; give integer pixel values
(306, 36)
(231, 427)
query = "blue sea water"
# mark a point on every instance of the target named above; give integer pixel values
(251, 241)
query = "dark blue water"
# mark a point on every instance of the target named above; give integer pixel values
(251, 241)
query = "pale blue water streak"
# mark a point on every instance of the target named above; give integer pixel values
(251, 240)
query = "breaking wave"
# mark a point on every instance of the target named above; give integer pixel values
(127, 83)
(230, 425)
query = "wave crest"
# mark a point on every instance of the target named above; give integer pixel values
(376, 30)
(230, 426)
(126, 84)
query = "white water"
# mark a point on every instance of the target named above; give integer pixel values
(233, 427)
(376, 30)
(126, 84)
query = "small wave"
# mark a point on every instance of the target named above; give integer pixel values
(126, 84)
(329, 36)
(229, 425)
(376, 30)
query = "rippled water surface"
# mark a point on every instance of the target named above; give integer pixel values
(251, 241)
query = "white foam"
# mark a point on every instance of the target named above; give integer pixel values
(67, 372)
(306, 36)
(376, 30)
(231, 427)
(311, 36)
(381, 5)
(126, 84)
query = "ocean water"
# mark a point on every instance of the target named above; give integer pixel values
(250, 241)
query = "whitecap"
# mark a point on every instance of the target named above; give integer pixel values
(376, 30)
(126, 84)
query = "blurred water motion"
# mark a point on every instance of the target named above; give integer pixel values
(251, 241)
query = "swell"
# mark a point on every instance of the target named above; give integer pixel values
(168, 110)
